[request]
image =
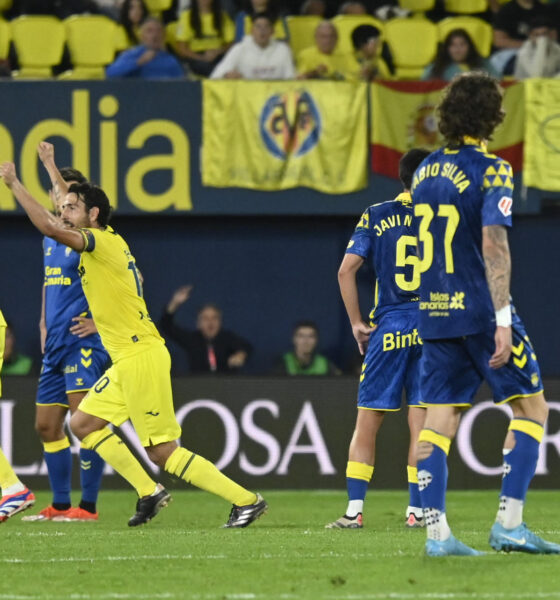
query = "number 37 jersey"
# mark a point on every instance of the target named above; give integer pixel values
(113, 290)
(384, 238)
(456, 192)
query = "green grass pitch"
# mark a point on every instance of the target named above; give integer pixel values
(287, 554)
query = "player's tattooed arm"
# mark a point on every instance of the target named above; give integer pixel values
(497, 259)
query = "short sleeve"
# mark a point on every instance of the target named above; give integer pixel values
(89, 240)
(360, 242)
(497, 190)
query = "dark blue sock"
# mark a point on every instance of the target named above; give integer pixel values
(91, 471)
(59, 465)
(432, 479)
(414, 494)
(521, 462)
(357, 488)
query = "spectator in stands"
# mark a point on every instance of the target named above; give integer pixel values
(258, 56)
(323, 61)
(352, 8)
(253, 7)
(204, 34)
(14, 362)
(366, 41)
(54, 7)
(511, 29)
(150, 60)
(304, 359)
(457, 54)
(315, 8)
(539, 56)
(132, 13)
(209, 348)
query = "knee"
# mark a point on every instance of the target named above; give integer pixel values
(160, 453)
(80, 426)
(49, 431)
(424, 450)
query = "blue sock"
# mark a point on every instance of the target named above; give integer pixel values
(59, 465)
(413, 492)
(91, 471)
(432, 471)
(357, 488)
(521, 462)
(358, 476)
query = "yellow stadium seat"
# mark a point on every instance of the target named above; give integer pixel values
(121, 39)
(480, 31)
(413, 44)
(5, 5)
(156, 7)
(39, 43)
(92, 41)
(171, 34)
(345, 25)
(466, 7)
(302, 31)
(417, 5)
(4, 38)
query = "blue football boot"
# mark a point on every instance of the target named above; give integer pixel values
(520, 539)
(450, 547)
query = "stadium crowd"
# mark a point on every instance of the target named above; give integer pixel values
(278, 39)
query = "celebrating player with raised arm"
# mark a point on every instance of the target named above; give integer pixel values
(138, 385)
(384, 238)
(15, 496)
(462, 198)
(73, 360)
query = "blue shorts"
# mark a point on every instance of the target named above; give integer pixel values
(392, 363)
(73, 371)
(453, 369)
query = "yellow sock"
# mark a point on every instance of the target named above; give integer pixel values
(8, 476)
(203, 474)
(114, 452)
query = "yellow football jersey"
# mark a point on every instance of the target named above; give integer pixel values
(112, 286)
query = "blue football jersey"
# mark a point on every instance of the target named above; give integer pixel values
(64, 297)
(385, 239)
(456, 192)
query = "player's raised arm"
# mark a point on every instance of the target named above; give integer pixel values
(45, 222)
(59, 186)
(349, 291)
(497, 259)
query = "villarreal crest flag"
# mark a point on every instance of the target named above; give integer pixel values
(278, 135)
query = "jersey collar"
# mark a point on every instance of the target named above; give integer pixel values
(470, 141)
(405, 198)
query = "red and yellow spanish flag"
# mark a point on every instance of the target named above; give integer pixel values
(403, 117)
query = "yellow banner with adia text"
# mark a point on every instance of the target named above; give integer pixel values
(279, 135)
(404, 117)
(541, 164)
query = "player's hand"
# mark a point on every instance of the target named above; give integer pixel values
(46, 152)
(180, 296)
(361, 333)
(8, 173)
(503, 348)
(83, 327)
(237, 360)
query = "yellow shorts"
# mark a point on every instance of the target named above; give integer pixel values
(137, 388)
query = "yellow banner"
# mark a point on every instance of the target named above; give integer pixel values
(279, 135)
(541, 161)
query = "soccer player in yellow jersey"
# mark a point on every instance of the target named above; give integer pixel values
(138, 385)
(15, 496)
